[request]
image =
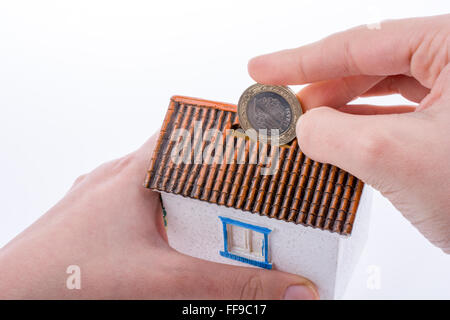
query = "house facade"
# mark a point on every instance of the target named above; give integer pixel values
(299, 216)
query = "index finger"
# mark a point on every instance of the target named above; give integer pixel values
(359, 51)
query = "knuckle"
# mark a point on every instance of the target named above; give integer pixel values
(349, 65)
(301, 73)
(79, 179)
(428, 59)
(122, 164)
(108, 170)
(373, 147)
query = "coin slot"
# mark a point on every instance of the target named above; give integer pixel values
(235, 126)
(289, 144)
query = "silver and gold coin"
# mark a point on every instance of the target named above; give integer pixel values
(272, 111)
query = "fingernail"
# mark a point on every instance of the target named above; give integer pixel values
(299, 292)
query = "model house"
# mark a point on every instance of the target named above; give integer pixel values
(232, 200)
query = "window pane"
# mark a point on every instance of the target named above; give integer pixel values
(237, 239)
(245, 242)
(257, 240)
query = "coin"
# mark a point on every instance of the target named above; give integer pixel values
(270, 110)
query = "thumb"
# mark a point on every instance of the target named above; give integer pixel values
(371, 147)
(211, 280)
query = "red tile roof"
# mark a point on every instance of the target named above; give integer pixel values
(300, 190)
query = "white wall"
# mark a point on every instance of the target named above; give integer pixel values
(194, 228)
(351, 248)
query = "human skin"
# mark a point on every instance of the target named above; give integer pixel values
(111, 227)
(402, 151)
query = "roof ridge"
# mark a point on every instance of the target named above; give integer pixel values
(205, 103)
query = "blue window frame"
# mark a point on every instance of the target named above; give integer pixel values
(251, 234)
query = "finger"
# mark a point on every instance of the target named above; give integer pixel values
(336, 92)
(339, 92)
(144, 153)
(408, 87)
(441, 91)
(136, 163)
(198, 279)
(365, 109)
(358, 51)
(133, 164)
(374, 148)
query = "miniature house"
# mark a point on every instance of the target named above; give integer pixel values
(303, 217)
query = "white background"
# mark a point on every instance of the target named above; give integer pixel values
(82, 82)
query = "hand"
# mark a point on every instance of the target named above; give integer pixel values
(111, 227)
(403, 151)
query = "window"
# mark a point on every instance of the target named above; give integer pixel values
(245, 242)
